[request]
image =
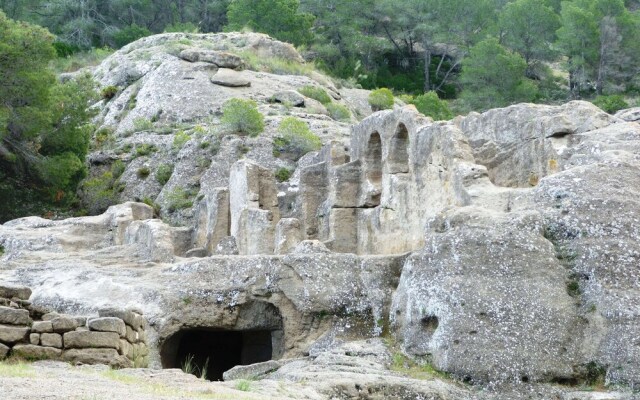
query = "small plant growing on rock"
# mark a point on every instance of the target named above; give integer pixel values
(315, 93)
(118, 168)
(381, 99)
(1, 250)
(179, 199)
(145, 149)
(142, 124)
(295, 138)
(163, 174)
(243, 385)
(103, 136)
(242, 116)
(143, 172)
(109, 92)
(283, 174)
(338, 112)
(180, 139)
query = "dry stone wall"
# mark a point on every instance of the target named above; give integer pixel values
(115, 337)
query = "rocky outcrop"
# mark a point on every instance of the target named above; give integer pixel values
(166, 114)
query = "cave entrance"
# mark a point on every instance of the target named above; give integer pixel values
(212, 352)
(256, 336)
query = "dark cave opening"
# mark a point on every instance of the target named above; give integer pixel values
(216, 351)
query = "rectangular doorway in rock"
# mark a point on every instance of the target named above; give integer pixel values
(216, 351)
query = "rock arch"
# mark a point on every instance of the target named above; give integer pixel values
(373, 170)
(398, 160)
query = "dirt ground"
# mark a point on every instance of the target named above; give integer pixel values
(60, 381)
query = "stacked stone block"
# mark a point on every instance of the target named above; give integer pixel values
(116, 337)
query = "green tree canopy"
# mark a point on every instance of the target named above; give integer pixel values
(44, 131)
(528, 28)
(278, 18)
(494, 77)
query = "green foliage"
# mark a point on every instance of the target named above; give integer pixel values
(100, 192)
(163, 174)
(103, 136)
(44, 129)
(179, 199)
(145, 149)
(188, 27)
(494, 77)
(242, 116)
(142, 124)
(129, 34)
(180, 139)
(339, 112)
(430, 105)
(381, 99)
(278, 18)
(611, 103)
(316, 93)
(283, 174)
(243, 385)
(109, 92)
(275, 65)
(529, 28)
(295, 138)
(117, 169)
(79, 60)
(143, 172)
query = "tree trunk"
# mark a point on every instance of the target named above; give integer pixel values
(427, 65)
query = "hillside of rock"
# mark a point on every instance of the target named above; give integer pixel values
(166, 110)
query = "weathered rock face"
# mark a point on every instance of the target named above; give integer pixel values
(171, 89)
(500, 247)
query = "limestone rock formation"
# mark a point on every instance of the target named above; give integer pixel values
(500, 248)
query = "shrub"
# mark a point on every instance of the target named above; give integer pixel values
(381, 99)
(295, 138)
(339, 112)
(316, 93)
(129, 34)
(117, 169)
(143, 172)
(103, 136)
(142, 124)
(188, 27)
(145, 149)
(179, 199)
(100, 192)
(611, 104)
(109, 92)
(242, 116)
(275, 65)
(243, 385)
(180, 139)
(430, 105)
(283, 174)
(163, 174)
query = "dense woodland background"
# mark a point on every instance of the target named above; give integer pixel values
(445, 56)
